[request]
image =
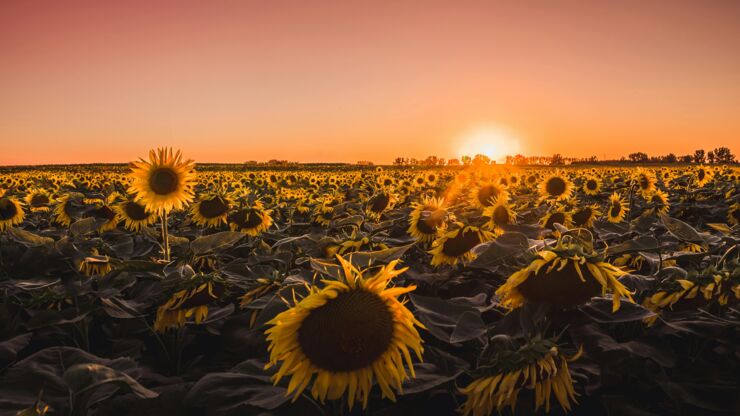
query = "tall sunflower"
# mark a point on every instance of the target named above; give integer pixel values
(457, 245)
(427, 219)
(11, 213)
(164, 182)
(537, 364)
(347, 333)
(556, 187)
(567, 275)
(487, 194)
(617, 208)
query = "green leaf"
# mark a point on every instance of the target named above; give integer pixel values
(215, 242)
(28, 238)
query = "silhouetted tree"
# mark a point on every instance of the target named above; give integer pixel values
(723, 155)
(466, 160)
(699, 156)
(479, 160)
(670, 158)
(556, 159)
(638, 157)
(710, 157)
(686, 158)
(453, 162)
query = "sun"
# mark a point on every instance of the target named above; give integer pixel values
(496, 142)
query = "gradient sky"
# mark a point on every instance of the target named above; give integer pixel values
(341, 81)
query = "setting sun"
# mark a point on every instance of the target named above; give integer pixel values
(496, 142)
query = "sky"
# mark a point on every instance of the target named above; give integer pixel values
(231, 81)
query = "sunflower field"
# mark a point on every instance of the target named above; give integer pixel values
(166, 288)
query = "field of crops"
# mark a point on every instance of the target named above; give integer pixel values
(162, 288)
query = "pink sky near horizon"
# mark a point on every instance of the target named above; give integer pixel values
(230, 81)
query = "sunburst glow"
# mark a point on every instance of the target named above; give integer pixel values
(496, 142)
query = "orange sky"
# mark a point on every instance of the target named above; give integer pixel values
(340, 81)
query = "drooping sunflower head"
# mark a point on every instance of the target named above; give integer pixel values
(457, 245)
(347, 334)
(565, 276)
(11, 212)
(427, 220)
(107, 214)
(591, 186)
(659, 200)
(584, 217)
(93, 264)
(134, 215)
(191, 299)
(252, 220)
(617, 208)
(692, 292)
(501, 214)
(556, 187)
(211, 209)
(38, 200)
(504, 370)
(487, 194)
(702, 175)
(379, 203)
(163, 183)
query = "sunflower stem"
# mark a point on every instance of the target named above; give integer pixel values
(165, 238)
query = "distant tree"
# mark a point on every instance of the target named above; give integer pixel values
(441, 161)
(686, 158)
(466, 160)
(400, 161)
(723, 155)
(699, 156)
(638, 157)
(557, 159)
(453, 162)
(413, 161)
(710, 157)
(479, 160)
(670, 158)
(520, 160)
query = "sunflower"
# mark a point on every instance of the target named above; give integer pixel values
(558, 215)
(379, 203)
(457, 245)
(64, 211)
(164, 182)
(733, 214)
(211, 210)
(500, 214)
(11, 213)
(487, 194)
(252, 220)
(191, 301)
(93, 264)
(347, 333)
(556, 187)
(644, 180)
(702, 175)
(427, 220)
(591, 186)
(134, 215)
(659, 200)
(617, 208)
(38, 200)
(537, 364)
(105, 213)
(584, 217)
(568, 275)
(682, 294)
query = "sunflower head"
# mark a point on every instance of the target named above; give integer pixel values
(644, 180)
(659, 200)
(487, 194)
(567, 275)
(190, 299)
(346, 334)
(501, 214)
(11, 212)
(163, 183)
(617, 208)
(252, 220)
(427, 220)
(505, 369)
(38, 200)
(457, 245)
(591, 186)
(584, 217)
(134, 215)
(211, 209)
(558, 215)
(556, 187)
